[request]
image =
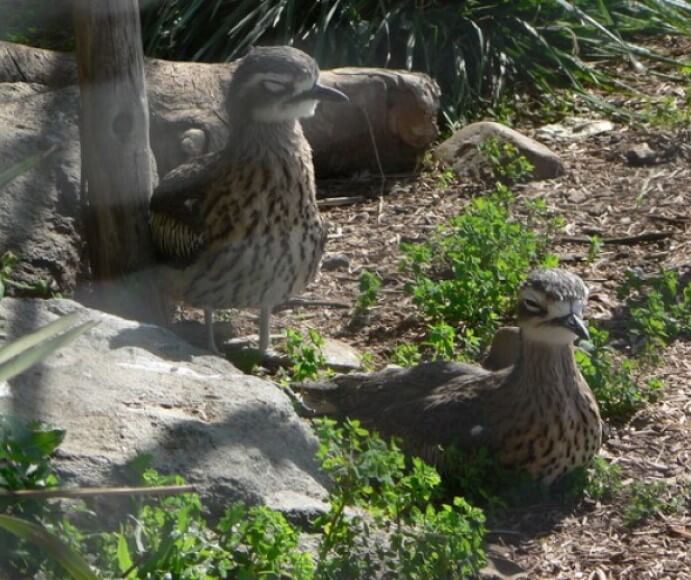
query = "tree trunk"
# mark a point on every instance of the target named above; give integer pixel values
(117, 165)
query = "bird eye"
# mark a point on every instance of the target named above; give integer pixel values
(532, 305)
(273, 86)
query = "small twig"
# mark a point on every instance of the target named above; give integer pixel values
(679, 221)
(380, 205)
(624, 240)
(97, 491)
(334, 201)
(306, 303)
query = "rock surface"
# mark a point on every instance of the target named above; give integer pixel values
(39, 209)
(460, 150)
(125, 388)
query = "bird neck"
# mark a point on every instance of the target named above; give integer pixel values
(246, 130)
(552, 366)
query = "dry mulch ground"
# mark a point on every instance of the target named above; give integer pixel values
(603, 194)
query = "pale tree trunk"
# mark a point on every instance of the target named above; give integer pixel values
(117, 164)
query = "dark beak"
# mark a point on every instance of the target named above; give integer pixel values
(324, 93)
(575, 324)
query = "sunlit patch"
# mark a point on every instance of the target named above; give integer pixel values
(282, 112)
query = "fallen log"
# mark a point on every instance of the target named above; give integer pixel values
(393, 111)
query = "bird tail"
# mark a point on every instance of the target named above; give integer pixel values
(313, 399)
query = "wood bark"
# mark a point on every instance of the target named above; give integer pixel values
(117, 170)
(390, 122)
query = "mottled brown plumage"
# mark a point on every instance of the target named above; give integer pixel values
(538, 415)
(241, 228)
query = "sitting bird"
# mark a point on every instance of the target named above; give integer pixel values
(538, 414)
(241, 228)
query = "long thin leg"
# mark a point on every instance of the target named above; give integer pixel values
(209, 323)
(264, 328)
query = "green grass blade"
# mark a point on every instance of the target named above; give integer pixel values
(21, 354)
(19, 345)
(61, 553)
(23, 166)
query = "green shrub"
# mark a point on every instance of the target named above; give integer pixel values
(604, 480)
(659, 307)
(507, 164)
(614, 380)
(479, 52)
(406, 355)
(370, 285)
(402, 534)
(305, 354)
(25, 450)
(645, 499)
(467, 275)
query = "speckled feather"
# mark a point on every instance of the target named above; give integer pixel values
(538, 415)
(241, 228)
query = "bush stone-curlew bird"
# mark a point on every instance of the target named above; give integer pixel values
(241, 228)
(538, 414)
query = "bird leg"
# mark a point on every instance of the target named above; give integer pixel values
(209, 323)
(264, 328)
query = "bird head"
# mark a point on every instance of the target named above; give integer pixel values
(275, 84)
(550, 307)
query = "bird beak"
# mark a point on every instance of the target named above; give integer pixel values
(575, 324)
(324, 93)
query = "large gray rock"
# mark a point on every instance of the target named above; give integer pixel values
(460, 150)
(126, 388)
(39, 209)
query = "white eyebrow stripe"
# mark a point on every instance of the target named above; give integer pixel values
(303, 86)
(280, 78)
(564, 308)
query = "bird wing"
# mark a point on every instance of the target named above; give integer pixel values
(175, 209)
(427, 406)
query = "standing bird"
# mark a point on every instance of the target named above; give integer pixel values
(538, 414)
(241, 228)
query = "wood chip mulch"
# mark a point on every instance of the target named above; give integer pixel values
(643, 213)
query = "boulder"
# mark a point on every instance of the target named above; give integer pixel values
(460, 150)
(125, 389)
(39, 209)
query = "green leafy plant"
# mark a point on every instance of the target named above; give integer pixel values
(305, 354)
(467, 275)
(506, 162)
(370, 284)
(406, 355)
(594, 248)
(24, 457)
(613, 379)
(478, 476)
(421, 540)
(645, 499)
(25, 451)
(670, 112)
(442, 340)
(660, 308)
(7, 263)
(604, 480)
(50, 545)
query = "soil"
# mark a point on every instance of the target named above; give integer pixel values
(642, 213)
